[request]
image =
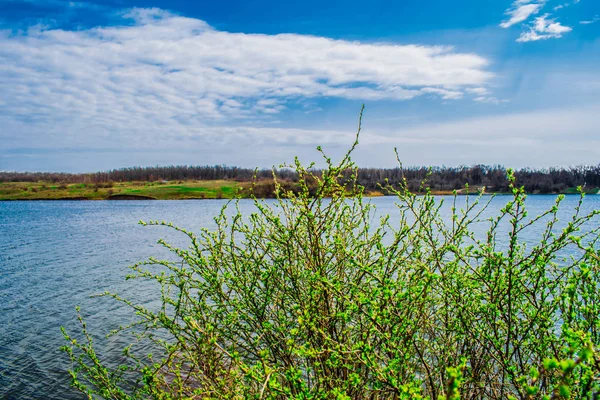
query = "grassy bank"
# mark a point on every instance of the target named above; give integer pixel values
(162, 190)
(176, 190)
(173, 190)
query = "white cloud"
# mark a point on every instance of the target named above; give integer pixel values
(444, 93)
(191, 68)
(490, 100)
(167, 77)
(482, 95)
(521, 10)
(544, 28)
(591, 21)
(176, 84)
(477, 91)
(539, 138)
(564, 5)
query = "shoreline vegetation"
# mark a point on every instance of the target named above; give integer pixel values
(196, 190)
(309, 297)
(179, 182)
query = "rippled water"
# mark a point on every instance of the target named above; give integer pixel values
(55, 254)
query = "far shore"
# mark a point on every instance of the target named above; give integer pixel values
(172, 190)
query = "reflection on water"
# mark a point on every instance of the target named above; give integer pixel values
(55, 254)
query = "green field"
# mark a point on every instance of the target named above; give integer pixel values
(175, 190)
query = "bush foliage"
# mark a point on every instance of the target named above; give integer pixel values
(309, 298)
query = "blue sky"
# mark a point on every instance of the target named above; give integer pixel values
(96, 85)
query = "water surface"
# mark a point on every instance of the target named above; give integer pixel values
(55, 254)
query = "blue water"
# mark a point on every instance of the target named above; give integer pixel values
(55, 254)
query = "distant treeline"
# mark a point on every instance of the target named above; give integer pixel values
(494, 178)
(553, 180)
(147, 174)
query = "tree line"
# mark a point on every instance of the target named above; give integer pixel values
(494, 178)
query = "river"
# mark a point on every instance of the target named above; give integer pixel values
(55, 254)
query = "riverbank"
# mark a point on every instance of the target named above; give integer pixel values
(175, 190)
(162, 190)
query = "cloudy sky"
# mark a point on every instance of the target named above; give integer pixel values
(94, 85)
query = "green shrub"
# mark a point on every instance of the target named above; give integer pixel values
(307, 298)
